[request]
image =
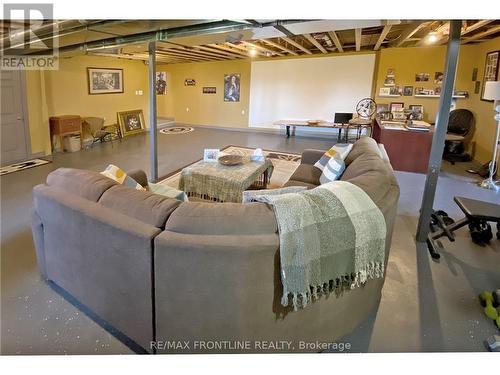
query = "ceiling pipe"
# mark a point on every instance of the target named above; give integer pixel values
(47, 32)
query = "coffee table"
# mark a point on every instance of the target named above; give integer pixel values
(211, 180)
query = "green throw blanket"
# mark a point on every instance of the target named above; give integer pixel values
(331, 238)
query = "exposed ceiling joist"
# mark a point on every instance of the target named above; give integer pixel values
(182, 54)
(335, 39)
(357, 38)
(198, 54)
(279, 46)
(480, 35)
(382, 36)
(297, 45)
(221, 52)
(476, 26)
(263, 49)
(244, 49)
(407, 33)
(311, 39)
(228, 49)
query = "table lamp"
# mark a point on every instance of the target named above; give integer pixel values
(492, 92)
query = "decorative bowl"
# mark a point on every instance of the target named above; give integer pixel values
(231, 159)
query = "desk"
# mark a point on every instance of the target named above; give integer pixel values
(322, 124)
(408, 151)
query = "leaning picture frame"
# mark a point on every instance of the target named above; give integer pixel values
(131, 122)
(490, 70)
(105, 81)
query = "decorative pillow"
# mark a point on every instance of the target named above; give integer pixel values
(250, 195)
(332, 162)
(168, 191)
(118, 175)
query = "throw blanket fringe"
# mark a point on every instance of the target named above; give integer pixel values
(332, 238)
(374, 270)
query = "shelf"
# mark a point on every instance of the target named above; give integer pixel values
(389, 96)
(437, 96)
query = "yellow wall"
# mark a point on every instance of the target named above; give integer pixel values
(38, 118)
(205, 109)
(408, 61)
(65, 92)
(483, 110)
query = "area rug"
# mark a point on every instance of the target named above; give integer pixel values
(284, 166)
(176, 130)
(22, 166)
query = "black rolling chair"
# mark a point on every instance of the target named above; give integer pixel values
(461, 126)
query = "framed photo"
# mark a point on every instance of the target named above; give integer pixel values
(396, 90)
(382, 108)
(161, 83)
(384, 91)
(437, 91)
(211, 154)
(209, 90)
(416, 108)
(189, 82)
(105, 81)
(490, 70)
(131, 122)
(399, 115)
(390, 73)
(397, 106)
(231, 87)
(422, 77)
(408, 91)
(389, 81)
(438, 78)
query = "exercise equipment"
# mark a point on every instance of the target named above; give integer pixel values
(493, 343)
(490, 311)
(477, 215)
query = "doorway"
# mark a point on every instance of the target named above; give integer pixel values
(14, 134)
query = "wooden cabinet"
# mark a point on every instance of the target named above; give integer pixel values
(65, 125)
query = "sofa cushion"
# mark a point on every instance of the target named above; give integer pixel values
(299, 183)
(362, 146)
(251, 195)
(222, 218)
(86, 184)
(147, 207)
(307, 173)
(372, 174)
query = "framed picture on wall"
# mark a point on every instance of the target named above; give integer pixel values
(397, 106)
(131, 122)
(231, 87)
(105, 80)
(490, 70)
(408, 91)
(161, 83)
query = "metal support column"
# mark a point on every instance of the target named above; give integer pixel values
(440, 130)
(153, 143)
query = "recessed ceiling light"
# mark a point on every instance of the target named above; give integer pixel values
(252, 52)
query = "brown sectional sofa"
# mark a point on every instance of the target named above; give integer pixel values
(158, 270)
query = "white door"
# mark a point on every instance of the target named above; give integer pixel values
(13, 130)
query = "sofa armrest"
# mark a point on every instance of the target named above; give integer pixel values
(310, 156)
(140, 176)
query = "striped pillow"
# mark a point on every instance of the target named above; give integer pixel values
(332, 162)
(117, 174)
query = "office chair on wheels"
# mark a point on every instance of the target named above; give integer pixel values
(461, 126)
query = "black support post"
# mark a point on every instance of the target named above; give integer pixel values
(153, 143)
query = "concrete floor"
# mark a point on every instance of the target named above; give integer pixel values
(426, 305)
